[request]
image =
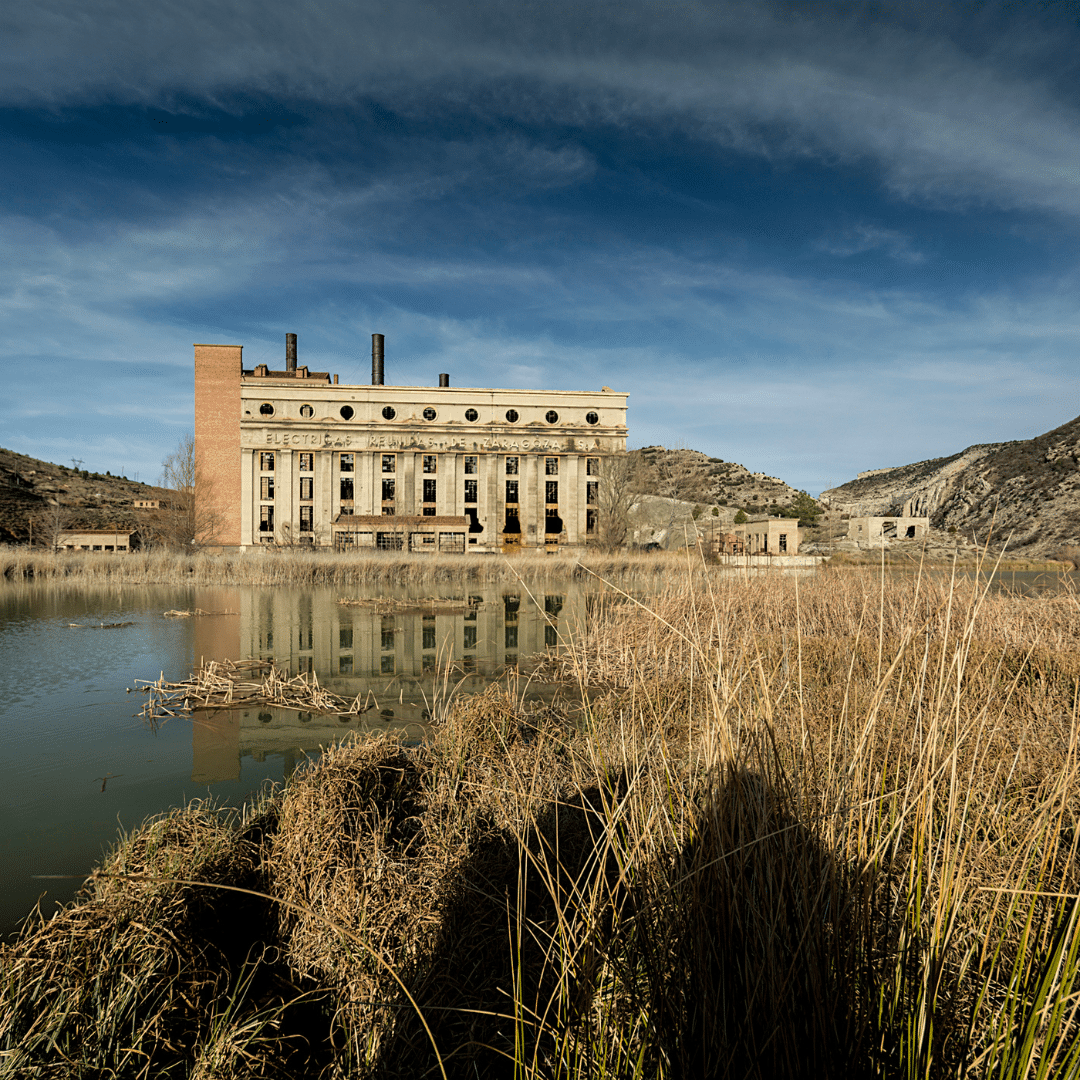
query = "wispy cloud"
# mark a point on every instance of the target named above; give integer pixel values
(860, 239)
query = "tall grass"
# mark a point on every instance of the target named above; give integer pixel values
(300, 568)
(796, 828)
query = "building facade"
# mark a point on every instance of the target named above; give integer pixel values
(879, 531)
(97, 540)
(767, 536)
(292, 457)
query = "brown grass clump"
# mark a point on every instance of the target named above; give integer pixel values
(821, 827)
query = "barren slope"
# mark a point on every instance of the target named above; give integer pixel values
(1028, 489)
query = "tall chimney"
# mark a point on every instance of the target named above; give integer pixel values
(444, 380)
(290, 352)
(377, 359)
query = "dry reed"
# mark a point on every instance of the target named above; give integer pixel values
(306, 568)
(821, 827)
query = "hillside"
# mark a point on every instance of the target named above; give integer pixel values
(1028, 489)
(692, 476)
(30, 488)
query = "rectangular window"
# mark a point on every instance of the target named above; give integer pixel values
(266, 519)
(307, 488)
(346, 484)
(266, 487)
(307, 519)
(346, 462)
(347, 510)
(428, 632)
(389, 541)
(470, 491)
(344, 637)
(388, 488)
(453, 542)
(428, 511)
(470, 465)
(551, 466)
(511, 466)
(469, 640)
(592, 466)
(590, 521)
(431, 463)
(511, 491)
(591, 489)
(307, 462)
(266, 462)
(551, 491)
(389, 463)
(429, 491)
(388, 511)
(345, 665)
(511, 637)
(783, 541)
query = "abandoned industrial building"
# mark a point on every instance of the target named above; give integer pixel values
(291, 457)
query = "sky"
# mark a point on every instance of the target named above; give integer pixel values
(811, 238)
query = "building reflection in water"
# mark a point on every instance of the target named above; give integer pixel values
(396, 659)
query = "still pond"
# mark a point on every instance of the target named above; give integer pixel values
(79, 765)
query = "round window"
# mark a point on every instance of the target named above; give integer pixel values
(306, 411)
(552, 417)
(429, 413)
(592, 418)
(511, 416)
(388, 413)
(266, 409)
(346, 412)
(472, 415)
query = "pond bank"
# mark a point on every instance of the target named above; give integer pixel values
(725, 860)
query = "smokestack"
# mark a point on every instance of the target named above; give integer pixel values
(377, 359)
(444, 380)
(290, 352)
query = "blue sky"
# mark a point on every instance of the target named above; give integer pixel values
(810, 238)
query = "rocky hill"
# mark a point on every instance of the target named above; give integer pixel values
(1028, 490)
(30, 490)
(691, 476)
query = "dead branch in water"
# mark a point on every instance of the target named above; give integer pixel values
(431, 605)
(178, 614)
(228, 684)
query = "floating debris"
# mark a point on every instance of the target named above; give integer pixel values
(98, 626)
(176, 614)
(430, 605)
(228, 684)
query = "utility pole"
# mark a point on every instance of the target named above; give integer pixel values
(77, 462)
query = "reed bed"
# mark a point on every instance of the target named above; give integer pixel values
(821, 827)
(303, 568)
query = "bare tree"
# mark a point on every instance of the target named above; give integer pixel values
(187, 516)
(615, 495)
(50, 521)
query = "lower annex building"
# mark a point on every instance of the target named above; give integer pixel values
(292, 457)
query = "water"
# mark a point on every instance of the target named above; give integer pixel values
(79, 765)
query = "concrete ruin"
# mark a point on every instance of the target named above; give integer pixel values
(880, 531)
